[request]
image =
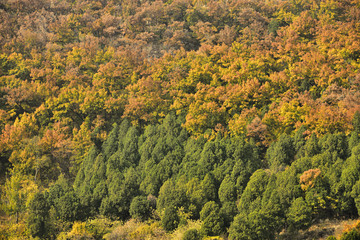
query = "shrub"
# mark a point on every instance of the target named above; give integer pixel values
(352, 235)
(191, 234)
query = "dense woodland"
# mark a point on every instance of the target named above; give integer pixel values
(178, 119)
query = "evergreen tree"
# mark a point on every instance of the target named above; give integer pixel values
(196, 195)
(95, 138)
(147, 142)
(64, 200)
(38, 219)
(228, 211)
(349, 176)
(212, 221)
(151, 182)
(123, 129)
(281, 153)
(208, 159)
(256, 225)
(241, 228)
(227, 191)
(353, 141)
(83, 187)
(240, 175)
(110, 145)
(172, 195)
(355, 194)
(130, 153)
(311, 147)
(356, 122)
(122, 189)
(251, 198)
(223, 170)
(335, 144)
(160, 150)
(170, 219)
(97, 184)
(69, 208)
(299, 215)
(299, 141)
(140, 208)
(209, 187)
(287, 182)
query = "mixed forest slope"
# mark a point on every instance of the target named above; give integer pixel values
(242, 114)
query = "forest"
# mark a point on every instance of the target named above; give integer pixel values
(179, 119)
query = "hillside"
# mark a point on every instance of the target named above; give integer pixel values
(238, 116)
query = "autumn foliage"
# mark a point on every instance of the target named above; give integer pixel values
(260, 71)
